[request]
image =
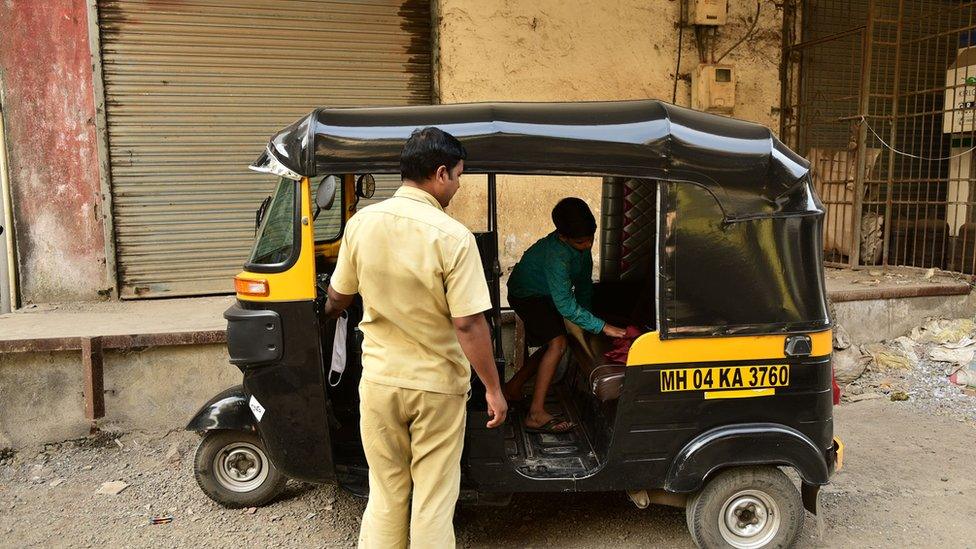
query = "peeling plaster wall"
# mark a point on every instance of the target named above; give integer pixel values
(158, 388)
(49, 113)
(554, 50)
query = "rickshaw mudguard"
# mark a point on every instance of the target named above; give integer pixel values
(227, 410)
(746, 444)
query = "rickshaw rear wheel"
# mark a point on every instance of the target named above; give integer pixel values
(233, 469)
(746, 508)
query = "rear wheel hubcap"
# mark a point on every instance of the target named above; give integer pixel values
(240, 467)
(749, 519)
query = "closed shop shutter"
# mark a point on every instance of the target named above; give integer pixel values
(194, 89)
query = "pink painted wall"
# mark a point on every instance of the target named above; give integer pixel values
(49, 112)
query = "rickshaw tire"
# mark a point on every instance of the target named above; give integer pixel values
(704, 508)
(203, 470)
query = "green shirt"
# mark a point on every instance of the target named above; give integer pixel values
(552, 268)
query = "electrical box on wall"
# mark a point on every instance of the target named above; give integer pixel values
(707, 12)
(713, 88)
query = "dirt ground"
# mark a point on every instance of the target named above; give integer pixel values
(908, 481)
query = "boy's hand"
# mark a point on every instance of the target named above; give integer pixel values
(614, 331)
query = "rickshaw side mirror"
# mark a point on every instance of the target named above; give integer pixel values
(365, 186)
(325, 195)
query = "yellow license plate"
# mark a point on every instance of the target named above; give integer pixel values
(728, 377)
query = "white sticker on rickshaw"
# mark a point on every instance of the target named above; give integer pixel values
(256, 408)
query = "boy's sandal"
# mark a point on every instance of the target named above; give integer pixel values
(551, 426)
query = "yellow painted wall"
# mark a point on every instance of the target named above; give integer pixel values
(575, 50)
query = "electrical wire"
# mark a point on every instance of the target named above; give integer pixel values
(863, 120)
(749, 33)
(677, 67)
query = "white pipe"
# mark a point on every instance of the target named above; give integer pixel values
(8, 217)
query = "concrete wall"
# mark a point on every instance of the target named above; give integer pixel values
(553, 50)
(49, 111)
(42, 398)
(884, 319)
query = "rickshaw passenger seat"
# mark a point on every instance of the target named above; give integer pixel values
(604, 381)
(607, 381)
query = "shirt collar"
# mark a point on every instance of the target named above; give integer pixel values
(420, 195)
(554, 235)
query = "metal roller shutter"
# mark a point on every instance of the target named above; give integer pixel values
(193, 91)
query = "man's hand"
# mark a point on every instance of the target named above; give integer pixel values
(475, 339)
(497, 408)
(614, 331)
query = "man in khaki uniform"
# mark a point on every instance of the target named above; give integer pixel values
(424, 293)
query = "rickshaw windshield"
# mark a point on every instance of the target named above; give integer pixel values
(277, 237)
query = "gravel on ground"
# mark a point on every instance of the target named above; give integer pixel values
(908, 481)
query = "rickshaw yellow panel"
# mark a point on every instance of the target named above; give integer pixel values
(298, 282)
(839, 444)
(742, 393)
(651, 349)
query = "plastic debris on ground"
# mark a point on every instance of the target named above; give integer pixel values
(955, 356)
(885, 357)
(944, 331)
(934, 368)
(964, 375)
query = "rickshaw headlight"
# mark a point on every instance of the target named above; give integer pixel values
(247, 286)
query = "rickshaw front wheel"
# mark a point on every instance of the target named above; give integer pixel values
(233, 469)
(746, 508)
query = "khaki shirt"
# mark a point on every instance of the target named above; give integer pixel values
(415, 268)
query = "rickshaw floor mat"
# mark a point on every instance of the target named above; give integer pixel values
(550, 455)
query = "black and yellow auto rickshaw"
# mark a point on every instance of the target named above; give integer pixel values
(710, 241)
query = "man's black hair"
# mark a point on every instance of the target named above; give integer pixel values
(428, 149)
(573, 218)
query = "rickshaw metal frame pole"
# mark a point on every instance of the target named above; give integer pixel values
(862, 137)
(496, 268)
(492, 204)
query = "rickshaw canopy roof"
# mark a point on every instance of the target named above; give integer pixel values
(743, 165)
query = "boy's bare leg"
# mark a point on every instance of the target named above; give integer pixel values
(512, 389)
(538, 416)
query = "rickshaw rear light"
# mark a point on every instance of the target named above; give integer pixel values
(247, 286)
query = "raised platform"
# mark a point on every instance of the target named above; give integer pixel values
(65, 369)
(893, 283)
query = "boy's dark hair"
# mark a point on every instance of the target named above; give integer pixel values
(428, 149)
(573, 218)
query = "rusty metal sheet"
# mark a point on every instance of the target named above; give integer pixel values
(93, 360)
(187, 81)
(133, 341)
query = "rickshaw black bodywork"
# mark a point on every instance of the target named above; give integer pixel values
(738, 261)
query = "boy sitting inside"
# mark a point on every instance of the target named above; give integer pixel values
(551, 282)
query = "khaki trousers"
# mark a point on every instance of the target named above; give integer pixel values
(413, 441)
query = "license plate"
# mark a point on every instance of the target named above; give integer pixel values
(730, 377)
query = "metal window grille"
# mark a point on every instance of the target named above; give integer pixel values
(880, 96)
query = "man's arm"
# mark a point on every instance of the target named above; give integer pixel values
(475, 339)
(336, 303)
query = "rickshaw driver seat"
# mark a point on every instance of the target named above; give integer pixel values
(604, 381)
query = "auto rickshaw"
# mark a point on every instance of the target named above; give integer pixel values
(711, 242)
